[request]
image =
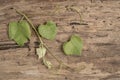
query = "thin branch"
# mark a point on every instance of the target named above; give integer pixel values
(33, 27)
(77, 11)
(59, 61)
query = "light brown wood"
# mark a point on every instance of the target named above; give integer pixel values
(100, 59)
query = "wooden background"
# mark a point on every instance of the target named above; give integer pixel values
(101, 53)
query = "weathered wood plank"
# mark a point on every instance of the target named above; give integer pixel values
(101, 53)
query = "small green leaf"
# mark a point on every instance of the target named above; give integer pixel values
(74, 46)
(41, 52)
(48, 64)
(19, 31)
(48, 31)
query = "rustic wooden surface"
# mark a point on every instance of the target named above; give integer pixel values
(101, 54)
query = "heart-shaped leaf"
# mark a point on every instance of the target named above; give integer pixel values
(48, 30)
(41, 52)
(19, 31)
(74, 46)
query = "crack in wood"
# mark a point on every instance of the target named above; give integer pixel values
(4, 45)
(103, 44)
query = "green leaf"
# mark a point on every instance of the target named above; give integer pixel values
(48, 31)
(19, 31)
(41, 52)
(74, 46)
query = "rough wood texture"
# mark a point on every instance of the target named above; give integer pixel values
(100, 58)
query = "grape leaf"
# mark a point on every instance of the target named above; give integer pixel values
(19, 31)
(41, 52)
(74, 46)
(48, 31)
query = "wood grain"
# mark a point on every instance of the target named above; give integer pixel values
(101, 36)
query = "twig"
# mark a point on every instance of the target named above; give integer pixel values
(77, 11)
(33, 27)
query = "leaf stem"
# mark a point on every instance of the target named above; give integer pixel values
(21, 18)
(77, 11)
(33, 27)
(59, 61)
